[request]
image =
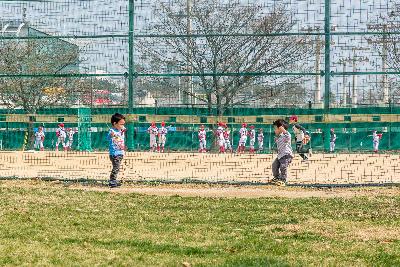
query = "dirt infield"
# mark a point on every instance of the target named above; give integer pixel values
(191, 190)
(321, 168)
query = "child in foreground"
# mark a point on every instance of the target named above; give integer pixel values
(116, 139)
(285, 152)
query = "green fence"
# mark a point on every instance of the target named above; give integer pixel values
(202, 59)
(353, 127)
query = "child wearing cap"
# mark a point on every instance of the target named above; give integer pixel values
(153, 131)
(39, 139)
(220, 137)
(260, 139)
(375, 140)
(227, 137)
(162, 137)
(252, 136)
(301, 136)
(202, 134)
(243, 138)
(70, 134)
(61, 136)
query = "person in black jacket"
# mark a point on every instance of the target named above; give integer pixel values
(332, 141)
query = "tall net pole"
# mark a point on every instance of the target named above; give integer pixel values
(327, 92)
(131, 70)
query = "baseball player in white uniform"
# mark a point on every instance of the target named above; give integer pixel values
(153, 131)
(243, 138)
(61, 136)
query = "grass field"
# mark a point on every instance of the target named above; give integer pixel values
(41, 224)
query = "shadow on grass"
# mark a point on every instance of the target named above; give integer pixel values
(254, 261)
(147, 246)
(385, 258)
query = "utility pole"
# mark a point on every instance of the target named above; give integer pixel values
(130, 74)
(319, 44)
(131, 69)
(354, 59)
(384, 41)
(327, 32)
(344, 90)
(189, 68)
(327, 70)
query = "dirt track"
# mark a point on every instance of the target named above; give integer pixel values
(227, 168)
(188, 190)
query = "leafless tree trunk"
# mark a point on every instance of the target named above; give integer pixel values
(34, 57)
(223, 55)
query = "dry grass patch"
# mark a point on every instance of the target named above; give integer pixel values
(55, 224)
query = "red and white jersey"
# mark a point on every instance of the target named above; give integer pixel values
(202, 134)
(243, 132)
(220, 133)
(153, 130)
(60, 132)
(260, 137)
(39, 135)
(162, 131)
(375, 137)
(71, 134)
(227, 135)
(252, 134)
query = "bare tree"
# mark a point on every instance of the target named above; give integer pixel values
(227, 54)
(387, 44)
(88, 90)
(35, 56)
(391, 23)
(282, 95)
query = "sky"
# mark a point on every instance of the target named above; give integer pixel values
(110, 17)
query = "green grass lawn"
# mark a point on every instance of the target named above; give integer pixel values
(60, 226)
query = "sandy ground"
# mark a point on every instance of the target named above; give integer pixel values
(192, 190)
